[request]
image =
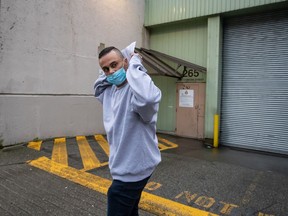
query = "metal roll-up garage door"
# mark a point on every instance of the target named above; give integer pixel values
(254, 100)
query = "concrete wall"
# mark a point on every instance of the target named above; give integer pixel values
(48, 63)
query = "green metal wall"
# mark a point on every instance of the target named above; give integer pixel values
(165, 11)
(213, 81)
(187, 29)
(186, 41)
(167, 109)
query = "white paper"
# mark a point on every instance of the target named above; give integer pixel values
(186, 98)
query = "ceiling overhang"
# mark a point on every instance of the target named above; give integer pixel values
(160, 63)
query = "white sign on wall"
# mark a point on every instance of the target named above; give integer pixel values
(186, 98)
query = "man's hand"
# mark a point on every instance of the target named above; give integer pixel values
(136, 54)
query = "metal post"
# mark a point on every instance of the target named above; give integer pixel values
(216, 131)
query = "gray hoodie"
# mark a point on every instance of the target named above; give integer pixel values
(130, 116)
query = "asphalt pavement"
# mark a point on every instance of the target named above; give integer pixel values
(63, 177)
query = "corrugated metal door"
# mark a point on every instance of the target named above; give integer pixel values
(254, 109)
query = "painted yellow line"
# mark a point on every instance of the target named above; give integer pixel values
(171, 144)
(59, 152)
(35, 145)
(162, 146)
(104, 163)
(103, 143)
(250, 190)
(161, 206)
(89, 160)
(78, 176)
(149, 202)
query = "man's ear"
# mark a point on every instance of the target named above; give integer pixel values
(126, 63)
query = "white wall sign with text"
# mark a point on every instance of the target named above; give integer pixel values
(186, 98)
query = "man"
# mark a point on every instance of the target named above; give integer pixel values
(130, 104)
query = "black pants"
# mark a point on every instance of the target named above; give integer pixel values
(124, 197)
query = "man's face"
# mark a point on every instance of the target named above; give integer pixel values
(111, 62)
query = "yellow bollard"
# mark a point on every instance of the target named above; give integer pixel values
(216, 131)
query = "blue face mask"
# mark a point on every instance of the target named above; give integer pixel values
(118, 77)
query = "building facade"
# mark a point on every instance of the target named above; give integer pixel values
(244, 46)
(229, 56)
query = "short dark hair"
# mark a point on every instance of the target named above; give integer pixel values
(108, 50)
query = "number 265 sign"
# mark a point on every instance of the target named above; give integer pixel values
(190, 72)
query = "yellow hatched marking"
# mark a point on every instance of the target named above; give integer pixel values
(164, 147)
(59, 153)
(89, 160)
(262, 214)
(35, 145)
(149, 202)
(103, 143)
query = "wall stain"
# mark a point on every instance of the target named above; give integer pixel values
(13, 25)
